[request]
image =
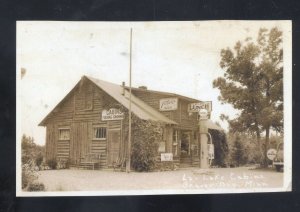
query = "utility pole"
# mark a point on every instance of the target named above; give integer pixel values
(129, 117)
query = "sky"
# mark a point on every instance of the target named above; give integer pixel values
(177, 57)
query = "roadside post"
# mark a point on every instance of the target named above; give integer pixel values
(271, 154)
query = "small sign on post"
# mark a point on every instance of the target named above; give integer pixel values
(271, 154)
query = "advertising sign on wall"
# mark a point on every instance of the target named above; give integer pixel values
(112, 114)
(195, 107)
(168, 104)
(166, 156)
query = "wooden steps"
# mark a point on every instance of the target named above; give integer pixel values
(186, 162)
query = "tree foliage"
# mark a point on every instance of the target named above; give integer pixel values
(238, 153)
(253, 84)
(31, 151)
(32, 157)
(220, 146)
(145, 140)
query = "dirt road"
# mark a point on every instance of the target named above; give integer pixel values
(193, 178)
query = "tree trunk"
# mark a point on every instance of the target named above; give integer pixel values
(266, 146)
(259, 146)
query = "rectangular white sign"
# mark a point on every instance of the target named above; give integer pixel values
(168, 104)
(195, 107)
(211, 151)
(166, 156)
(112, 114)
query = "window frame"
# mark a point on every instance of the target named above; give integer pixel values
(175, 143)
(94, 135)
(59, 133)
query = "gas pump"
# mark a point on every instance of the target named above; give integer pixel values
(207, 153)
(206, 144)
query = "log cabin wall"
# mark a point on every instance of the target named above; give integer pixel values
(186, 123)
(80, 113)
(152, 99)
(181, 116)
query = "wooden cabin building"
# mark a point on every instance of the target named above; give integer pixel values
(87, 122)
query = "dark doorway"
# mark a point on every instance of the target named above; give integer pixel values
(114, 137)
(185, 144)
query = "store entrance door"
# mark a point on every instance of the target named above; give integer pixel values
(114, 137)
(185, 149)
(185, 144)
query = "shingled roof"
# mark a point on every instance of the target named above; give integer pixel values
(138, 107)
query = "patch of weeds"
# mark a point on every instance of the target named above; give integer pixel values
(36, 187)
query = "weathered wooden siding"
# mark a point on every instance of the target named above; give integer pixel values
(74, 109)
(64, 113)
(63, 149)
(181, 115)
(151, 99)
(124, 138)
(50, 142)
(168, 136)
(80, 111)
(79, 141)
(100, 147)
(185, 120)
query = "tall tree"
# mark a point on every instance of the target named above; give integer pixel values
(253, 84)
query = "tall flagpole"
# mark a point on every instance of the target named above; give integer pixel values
(129, 128)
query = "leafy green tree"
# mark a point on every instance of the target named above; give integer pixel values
(145, 140)
(31, 152)
(32, 156)
(253, 84)
(238, 152)
(220, 146)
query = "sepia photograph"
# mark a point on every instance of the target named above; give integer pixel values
(145, 108)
